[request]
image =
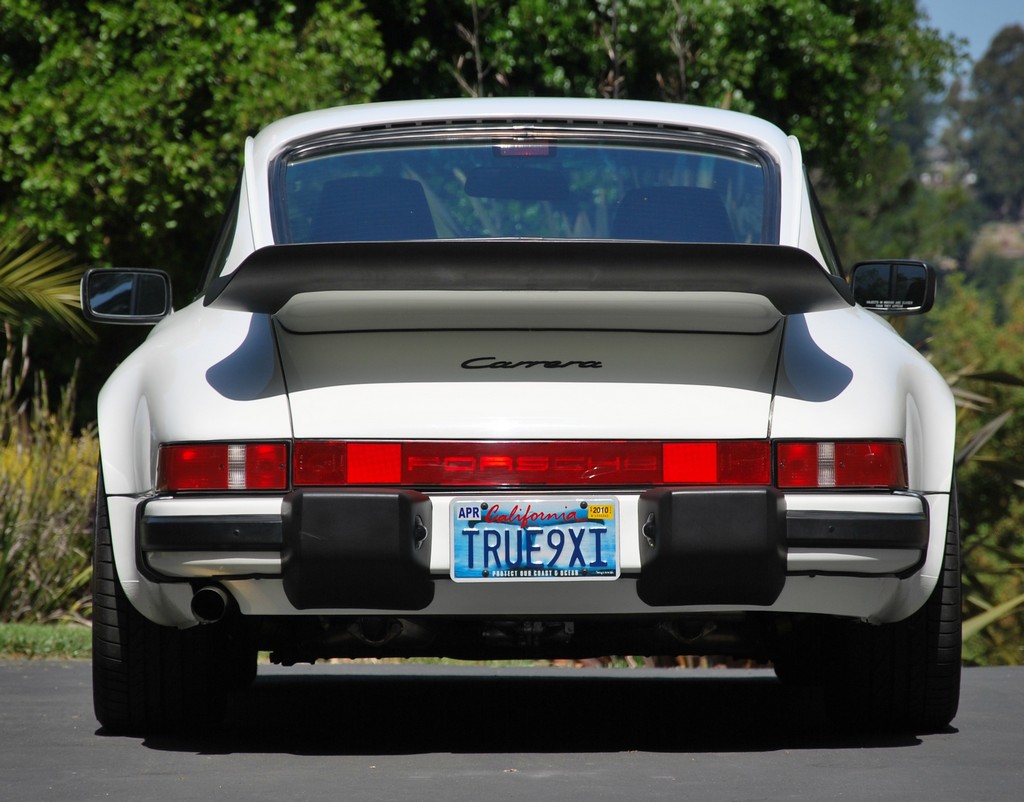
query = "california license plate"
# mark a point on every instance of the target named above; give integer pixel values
(534, 539)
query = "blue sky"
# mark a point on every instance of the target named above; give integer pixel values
(975, 20)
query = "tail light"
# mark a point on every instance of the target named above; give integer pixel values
(551, 463)
(725, 462)
(562, 463)
(841, 464)
(223, 466)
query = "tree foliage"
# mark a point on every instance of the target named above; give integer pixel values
(991, 119)
(896, 217)
(121, 121)
(975, 341)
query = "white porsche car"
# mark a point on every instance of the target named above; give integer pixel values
(524, 378)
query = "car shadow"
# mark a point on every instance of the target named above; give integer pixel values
(418, 710)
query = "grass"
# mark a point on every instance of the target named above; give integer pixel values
(45, 642)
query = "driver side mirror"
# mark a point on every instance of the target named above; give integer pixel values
(894, 287)
(128, 296)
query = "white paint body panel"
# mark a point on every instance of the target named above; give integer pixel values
(398, 385)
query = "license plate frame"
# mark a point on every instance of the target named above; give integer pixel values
(549, 539)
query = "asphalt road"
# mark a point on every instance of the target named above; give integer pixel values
(412, 733)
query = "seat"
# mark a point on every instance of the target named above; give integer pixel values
(673, 214)
(372, 208)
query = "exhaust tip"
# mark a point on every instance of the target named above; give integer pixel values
(209, 604)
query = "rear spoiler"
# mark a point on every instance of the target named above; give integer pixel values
(790, 279)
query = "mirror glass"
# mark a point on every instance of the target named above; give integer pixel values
(891, 286)
(121, 294)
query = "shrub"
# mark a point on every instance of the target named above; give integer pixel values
(975, 341)
(47, 479)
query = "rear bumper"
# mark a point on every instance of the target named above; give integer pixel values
(680, 548)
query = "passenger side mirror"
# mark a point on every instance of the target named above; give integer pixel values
(128, 296)
(894, 287)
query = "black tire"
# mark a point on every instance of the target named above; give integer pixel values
(149, 678)
(903, 677)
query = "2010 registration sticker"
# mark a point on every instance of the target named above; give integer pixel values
(534, 539)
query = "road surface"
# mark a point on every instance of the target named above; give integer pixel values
(376, 732)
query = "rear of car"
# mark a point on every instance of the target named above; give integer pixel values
(526, 379)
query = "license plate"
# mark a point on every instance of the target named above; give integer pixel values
(534, 539)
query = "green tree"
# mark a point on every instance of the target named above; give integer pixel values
(895, 216)
(991, 121)
(122, 121)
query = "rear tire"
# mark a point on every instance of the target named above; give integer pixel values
(149, 678)
(903, 676)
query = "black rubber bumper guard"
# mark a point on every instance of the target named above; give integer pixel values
(355, 549)
(711, 546)
(729, 546)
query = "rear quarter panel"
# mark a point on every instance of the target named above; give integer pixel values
(203, 374)
(848, 374)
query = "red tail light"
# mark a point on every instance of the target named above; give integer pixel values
(223, 466)
(725, 462)
(841, 464)
(589, 463)
(549, 463)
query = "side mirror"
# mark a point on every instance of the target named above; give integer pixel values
(894, 287)
(128, 296)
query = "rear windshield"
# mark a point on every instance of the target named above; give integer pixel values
(526, 188)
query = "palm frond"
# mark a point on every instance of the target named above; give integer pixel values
(997, 377)
(976, 398)
(981, 437)
(1011, 471)
(39, 280)
(972, 626)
